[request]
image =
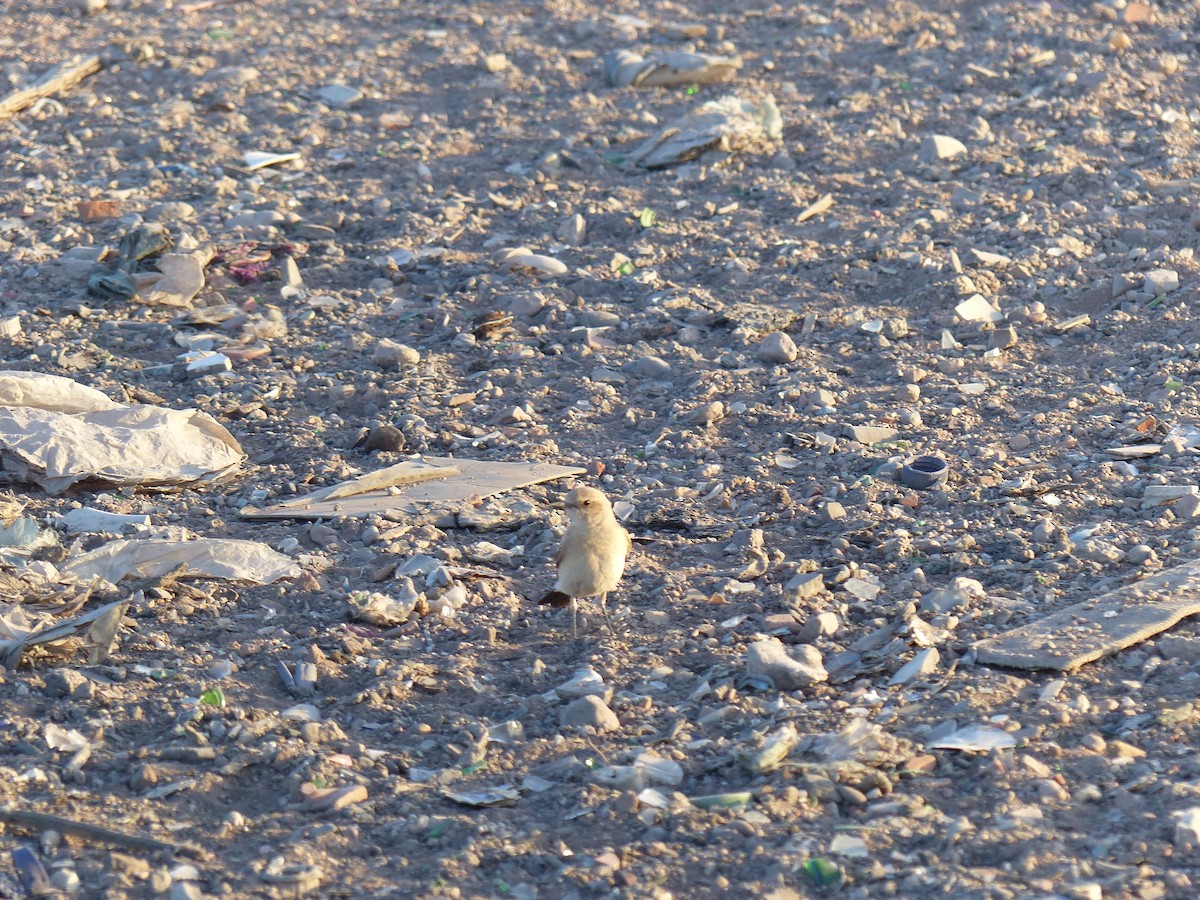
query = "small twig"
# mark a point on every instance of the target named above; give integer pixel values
(64, 75)
(29, 819)
(823, 204)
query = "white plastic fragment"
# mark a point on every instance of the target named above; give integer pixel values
(624, 68)
(55, 433)
(209, 557)
(976, 309)
(59, 738)
(257, 159)
(977, 738)
(205, 362)
(522, 258)
(86, 520)
(849, 845)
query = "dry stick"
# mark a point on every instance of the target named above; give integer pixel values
(816, 209)
(30, 819)
(64, 75)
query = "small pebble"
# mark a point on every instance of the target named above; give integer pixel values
(391, 355)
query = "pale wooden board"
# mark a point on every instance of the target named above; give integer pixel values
(476, 479)
(63, 76)
(1099, 627)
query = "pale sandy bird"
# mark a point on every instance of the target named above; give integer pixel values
(591, 557)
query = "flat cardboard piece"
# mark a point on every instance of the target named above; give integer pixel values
(1098, 627)
(475, 480)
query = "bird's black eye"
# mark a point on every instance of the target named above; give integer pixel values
(587, 502)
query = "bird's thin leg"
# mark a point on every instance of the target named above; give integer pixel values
(574, 617)
(604, 609)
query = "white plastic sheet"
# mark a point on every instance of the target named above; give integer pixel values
(207, 557)
(56, 433)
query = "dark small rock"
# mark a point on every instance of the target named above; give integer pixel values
(388, 438)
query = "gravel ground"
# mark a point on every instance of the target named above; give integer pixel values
(970, 233)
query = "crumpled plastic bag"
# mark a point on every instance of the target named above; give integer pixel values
(205, 557)
(726, 124)
(56, 433)
(624, 68)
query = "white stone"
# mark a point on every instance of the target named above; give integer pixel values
(987, 258)
(1161, 281)
(339, 95)
(770, 659)
(822, 625)
(777, 348)
(389, 354)
(863, 589)
(940, 146)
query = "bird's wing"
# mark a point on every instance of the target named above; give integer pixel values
(558, 556)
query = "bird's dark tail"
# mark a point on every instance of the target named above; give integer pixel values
(557, 599)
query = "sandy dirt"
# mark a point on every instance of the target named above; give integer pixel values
(742, 372)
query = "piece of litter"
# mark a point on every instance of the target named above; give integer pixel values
(822, 204)
(474, 480)
(59, 738)
(727, 123)
(849, 845)
(408, 472)
(23, 533)
(90, 521)
(978, 738)
(1074, 322)
(57, 433)
(205, 362)
(1083, 632)
(722, 801)
(976, 309)
(624, 68)
(205, 557)
(255, 159)
(485, 797)
(18, 633)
